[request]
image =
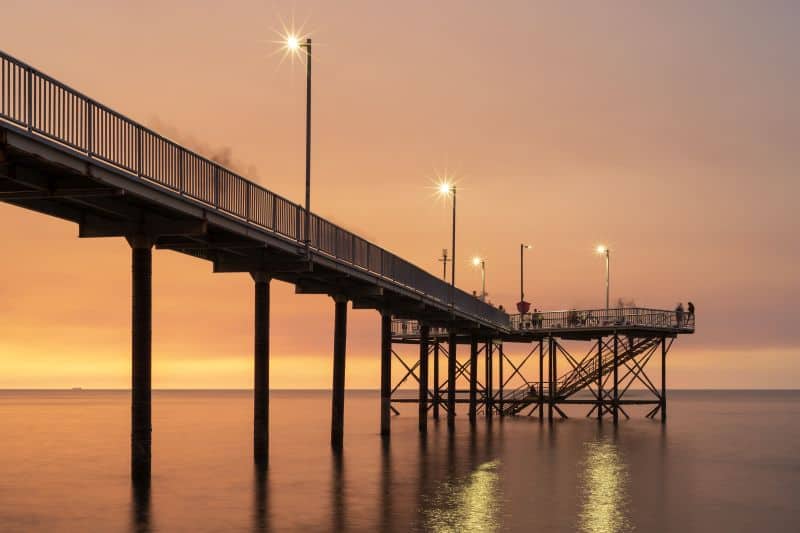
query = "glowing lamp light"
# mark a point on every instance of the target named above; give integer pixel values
(293, 43)
(476, 261)
(445, 188)
(601, 249)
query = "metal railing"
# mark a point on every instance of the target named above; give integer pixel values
(46, 107)
(603, 318)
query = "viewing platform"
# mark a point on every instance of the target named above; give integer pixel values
(578, 324)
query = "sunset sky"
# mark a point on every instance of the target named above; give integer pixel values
(668, 131)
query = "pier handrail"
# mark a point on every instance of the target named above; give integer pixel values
(43, 106)
(602, 318)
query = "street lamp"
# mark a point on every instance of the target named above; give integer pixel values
(522, 306)
(477, 261)
(295, 45)
(446, 188)
(603, 250)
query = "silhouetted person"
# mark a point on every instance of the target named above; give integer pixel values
(679, 314)
(691, 309)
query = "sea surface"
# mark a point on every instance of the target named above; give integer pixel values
(724, 461)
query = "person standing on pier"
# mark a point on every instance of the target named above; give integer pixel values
(679, 314)
(691, 309)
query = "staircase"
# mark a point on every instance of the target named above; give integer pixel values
(576, 379)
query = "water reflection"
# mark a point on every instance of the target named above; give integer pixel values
(466, 504)
(140, 502)
(604, 481)
(261, 511)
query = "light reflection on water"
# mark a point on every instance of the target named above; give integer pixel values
(604, 482)
(466, 504)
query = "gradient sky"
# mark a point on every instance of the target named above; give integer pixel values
(668, 131)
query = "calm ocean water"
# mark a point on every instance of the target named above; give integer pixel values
(725, 461)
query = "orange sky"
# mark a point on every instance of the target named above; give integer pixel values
(668, 132)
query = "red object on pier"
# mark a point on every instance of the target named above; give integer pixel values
(523, 307)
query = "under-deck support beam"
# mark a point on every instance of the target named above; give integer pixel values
(424, 332)
(339, 351)
(261, 368)
(386, 372)
(141, 355)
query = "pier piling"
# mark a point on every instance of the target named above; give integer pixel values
(141, 356)
(436, 380)
(424, 332)
(451, 380)
(386, 372)
(615, 410)
(339, 352)
(663, 379)
(473, 378)
(600, 378)
(261, 368)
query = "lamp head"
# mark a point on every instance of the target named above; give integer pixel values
(601, 249)
(293, 43)
(476, 261)
(527, 246)
(445, 188)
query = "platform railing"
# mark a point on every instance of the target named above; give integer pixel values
(45, 107)
(603, 318)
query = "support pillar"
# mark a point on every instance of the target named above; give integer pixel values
(473, 379)
(615, 410)
(424, 332)
(141, 355)
(339, 351)
(451, 380)
(501, 377)
(550, 379)
(489, 371)
(554, 389)
(600, 378)
(541, 379)
(663, 379)
(261, 369)
(436, 379)
(386, 373)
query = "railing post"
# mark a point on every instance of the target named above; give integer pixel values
(180, 169)
(274, 213)
(297, 223)
(216, 186)
(90, 129)
(139, 158)
(247, 189)
(29, 111)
